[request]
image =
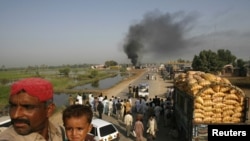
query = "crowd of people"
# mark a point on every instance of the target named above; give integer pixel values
(134, 112)
(150, 113)
(114, 106)
(133, 90)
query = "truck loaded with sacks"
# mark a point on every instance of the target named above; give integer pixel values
(201, 99)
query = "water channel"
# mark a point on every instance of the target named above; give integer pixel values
(62, 98)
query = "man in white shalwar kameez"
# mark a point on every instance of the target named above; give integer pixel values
(152, 126)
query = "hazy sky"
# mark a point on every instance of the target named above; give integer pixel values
(57, 32)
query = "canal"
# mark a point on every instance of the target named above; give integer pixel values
(62, 98)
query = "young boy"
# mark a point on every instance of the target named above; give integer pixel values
(77, 122)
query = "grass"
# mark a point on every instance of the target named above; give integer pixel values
(15, 74)
(60, 84)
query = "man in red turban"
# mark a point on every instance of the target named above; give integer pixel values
(31, 105)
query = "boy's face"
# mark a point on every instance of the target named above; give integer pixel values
(77, 128)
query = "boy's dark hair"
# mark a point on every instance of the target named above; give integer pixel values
(77, 111)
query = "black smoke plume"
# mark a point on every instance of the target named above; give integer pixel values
(158, 35)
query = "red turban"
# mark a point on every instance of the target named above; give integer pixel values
(37, 87)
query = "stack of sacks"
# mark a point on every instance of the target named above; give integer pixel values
(216, 100)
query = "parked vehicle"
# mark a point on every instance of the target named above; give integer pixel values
(104, 131)
(5, 122)
(143, 90)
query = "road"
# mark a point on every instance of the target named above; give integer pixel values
(157, 87)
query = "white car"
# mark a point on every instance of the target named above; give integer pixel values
(5, 122)
(143, 90)
(104, 131)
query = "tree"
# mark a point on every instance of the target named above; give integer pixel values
(241, 66)
(181, 60)
(226, 57)
(207, 61)
(93, 73)
(3, 68)
(111, 63)
(64, 71)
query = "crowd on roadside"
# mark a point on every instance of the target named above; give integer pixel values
(138, 114)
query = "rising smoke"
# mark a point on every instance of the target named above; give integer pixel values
(158, 35)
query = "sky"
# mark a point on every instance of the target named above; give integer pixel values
(60, 32)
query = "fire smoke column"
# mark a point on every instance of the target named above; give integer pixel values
(132, 49)
(159, 36)
(133, 45)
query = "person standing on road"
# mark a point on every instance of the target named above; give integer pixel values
(137, 92)
(123, 107)
(100, 97)
(118, 110)
(139, 128)
(128, 106)
(130, 89)
(105, 103)
(130, 100)
(91, 101)
(71, 100)
(157, 112)
(110, 107)
(100, 108)
(114, 105)
(96, 102)
(30, 106)
(128, 121)
(84, 98)
(79, 98)
(134, 91)
(147, 76)
(152, 127)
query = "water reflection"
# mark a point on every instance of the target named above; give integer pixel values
(95, 84)
(101, 84)
(62, 98)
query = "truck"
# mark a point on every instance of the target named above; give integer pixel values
(213, 103)
(143, 90)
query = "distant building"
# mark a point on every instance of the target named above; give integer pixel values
(178, 66)
(101, 66)
(228, 70)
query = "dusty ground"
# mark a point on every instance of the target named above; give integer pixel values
(119, 87)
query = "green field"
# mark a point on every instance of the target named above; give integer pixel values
(61, 83)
